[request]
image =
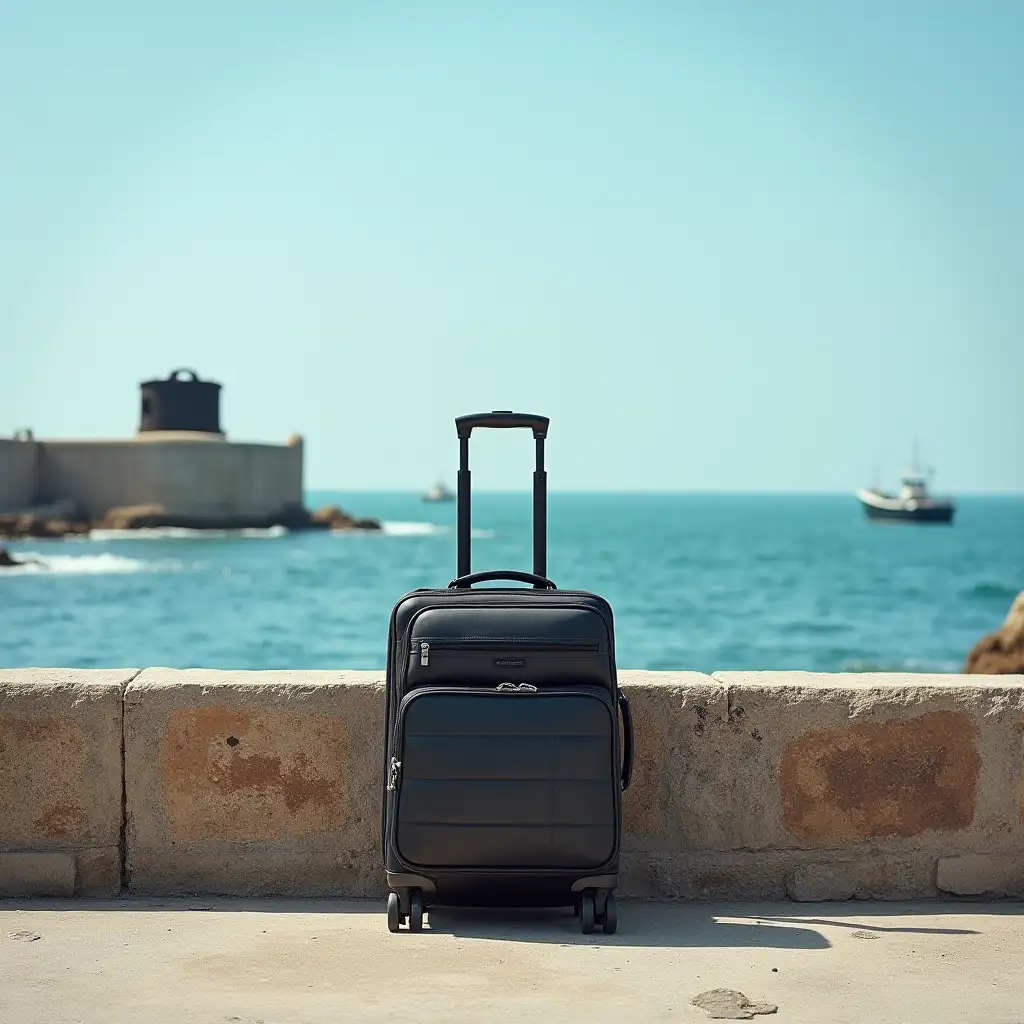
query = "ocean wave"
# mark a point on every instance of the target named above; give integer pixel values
(186, 533)
(399, 529)
(991, 591)
(403, 529)
(104, 564)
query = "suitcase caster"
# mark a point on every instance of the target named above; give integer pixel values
(395, 916)
(590, 917)
(416, 910)
(610, 917)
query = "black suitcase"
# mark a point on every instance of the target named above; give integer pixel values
(504, 758)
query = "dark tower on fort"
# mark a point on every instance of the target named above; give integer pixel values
(181, 402)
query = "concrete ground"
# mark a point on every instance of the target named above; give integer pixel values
(296, 962)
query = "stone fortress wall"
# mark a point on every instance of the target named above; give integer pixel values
(179, 462)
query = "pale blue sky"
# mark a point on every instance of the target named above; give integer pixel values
(724, 245)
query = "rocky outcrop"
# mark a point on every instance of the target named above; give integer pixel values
(21, 526)
(1001, 652)
(133, 517)
(8, 561)
(29, 525)
(337, 520)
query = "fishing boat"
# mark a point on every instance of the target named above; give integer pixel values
(913, 504)
(438, 493)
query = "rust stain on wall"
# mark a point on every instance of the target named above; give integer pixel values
(259, 775)
(44, 772)
(870, 781)
(61, 822)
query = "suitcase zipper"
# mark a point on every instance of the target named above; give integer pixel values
(491, 643)
(393, 772)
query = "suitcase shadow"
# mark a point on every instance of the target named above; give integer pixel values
(640, 924)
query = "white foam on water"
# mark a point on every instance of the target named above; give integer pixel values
(393, 529)
(401, 529)
(80, 565)
(186, 533)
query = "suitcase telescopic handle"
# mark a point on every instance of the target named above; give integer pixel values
(504, 419)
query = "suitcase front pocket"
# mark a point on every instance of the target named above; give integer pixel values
(505, 779)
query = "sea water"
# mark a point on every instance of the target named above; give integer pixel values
(704, 582)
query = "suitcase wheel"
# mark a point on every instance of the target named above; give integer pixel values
(590, 917)
(395, 916)
(610, 917)
(587, 911)
(415, 910)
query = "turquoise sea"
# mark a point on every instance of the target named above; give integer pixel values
(700, 582)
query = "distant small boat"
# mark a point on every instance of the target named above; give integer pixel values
(913, 504)
(439, 492)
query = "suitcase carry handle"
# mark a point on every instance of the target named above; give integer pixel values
(627, 741)
(503, 418)
(540, 582)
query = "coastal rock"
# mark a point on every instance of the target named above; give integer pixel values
(30, 525)
(365, 524)
(1001, 652)
(133, 517)
(330, 517)
(22, 525)
(337, 520)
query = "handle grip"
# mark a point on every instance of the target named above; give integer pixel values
(539, 582)
(502, 418)
(627, 742)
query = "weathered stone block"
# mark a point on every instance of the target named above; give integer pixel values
(704, 874)
(981, 874)
(60, 766)
(900, 762)
(677, 785)
(37, 874)
(864, 878)
(899, 778)
(99, 871)
(254, 782)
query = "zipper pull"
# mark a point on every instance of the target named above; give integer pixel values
(424, 652)
(506, 686)
(528, 686)
(396, 767)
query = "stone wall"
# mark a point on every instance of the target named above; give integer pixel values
(747, 785)
(17, 474)
(197, 476)
(61, 773)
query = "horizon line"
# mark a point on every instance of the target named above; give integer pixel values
(652, 492)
